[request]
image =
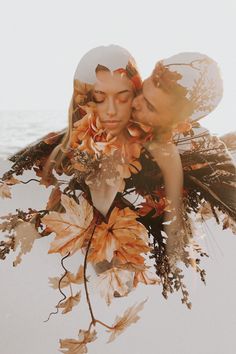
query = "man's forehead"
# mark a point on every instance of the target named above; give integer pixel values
(150, 92)
(155, 95)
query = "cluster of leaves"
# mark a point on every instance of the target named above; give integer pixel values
(116, 245)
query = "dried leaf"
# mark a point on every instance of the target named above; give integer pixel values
(145, 277)
(25, 236)
(74, 346)
(70, 278)
(10, 223)
(12, 181)
(69, 303)
(112, 280)
(229, 223)
(54, 198)
(70, 227)
(5, 191)
(121, 323)
(123, 236)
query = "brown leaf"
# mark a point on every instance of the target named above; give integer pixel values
(54, 198)
(70, 302)
(123, 236)
(229, 223)
(5, 191)
(121, 323)
(25, 236)
(11, 181)
(78, 278)
(10, 222)
(78, 346)
(70, 227)
(146, 277)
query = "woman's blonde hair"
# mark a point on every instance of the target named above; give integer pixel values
(112, 58)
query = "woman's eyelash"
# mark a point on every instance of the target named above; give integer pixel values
(98, 101)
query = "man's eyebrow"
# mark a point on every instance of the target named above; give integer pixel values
(150, 105)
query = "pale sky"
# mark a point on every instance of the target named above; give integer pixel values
(42, 41)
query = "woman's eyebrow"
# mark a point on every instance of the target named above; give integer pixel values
(98, 91)
(123, 91)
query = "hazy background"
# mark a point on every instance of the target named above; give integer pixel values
(41, 43)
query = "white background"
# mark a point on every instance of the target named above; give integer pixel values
(42, 41)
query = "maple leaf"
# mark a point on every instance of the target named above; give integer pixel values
(78, 346)
(70, 302)
(54, 198)
(71, 227)
(121, 323)
(78, 278)
(113, 280)
(151, 205)
(25, 236)
(131, 250)
(5, 191)
(122, 236)
(11, 181)
(145, 277)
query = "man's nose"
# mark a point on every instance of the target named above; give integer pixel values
(111, 108)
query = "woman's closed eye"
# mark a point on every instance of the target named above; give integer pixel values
(98, 97)
(124, 97)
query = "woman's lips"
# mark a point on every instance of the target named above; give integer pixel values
(111, 123)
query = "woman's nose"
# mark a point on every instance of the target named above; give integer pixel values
(111, 108)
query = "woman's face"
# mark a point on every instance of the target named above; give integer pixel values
(153, 107)
(113, 94)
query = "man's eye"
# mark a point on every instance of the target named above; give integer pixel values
(150, 107)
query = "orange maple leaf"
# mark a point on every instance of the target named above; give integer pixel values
(71, 227)
(122, 234)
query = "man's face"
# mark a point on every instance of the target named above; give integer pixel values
(153, 107)
(113, 94)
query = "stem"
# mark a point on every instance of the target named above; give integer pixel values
(32, 179)
(59, 287)
(85, 278)
(71, 292)
(104, 324)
